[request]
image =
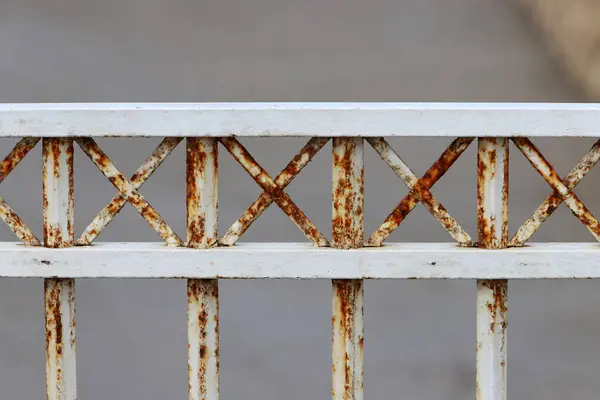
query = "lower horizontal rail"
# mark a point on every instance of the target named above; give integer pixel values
(302, 261)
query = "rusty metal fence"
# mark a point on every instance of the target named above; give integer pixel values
(491, 257)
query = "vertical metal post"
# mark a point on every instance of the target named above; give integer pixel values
(203, 294)
(59, 294)
(348, 233)
(492, 221)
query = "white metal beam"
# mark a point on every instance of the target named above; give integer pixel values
(300, 119)
(303, 261)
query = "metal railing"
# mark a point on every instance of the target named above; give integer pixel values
(348, 258)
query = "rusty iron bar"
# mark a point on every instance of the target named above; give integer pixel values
(285, 177)
(547, 171)
(16, 224)
(348, 193)
(421, 191)
(348, 339)
(127, 189)
(59, 294)
(410, 201)
(7, 214)
(57, 190)
(492, 324)
(17, 154)
(348, 295)
(282, 199)
(492, 299)
(201, 195)
(203, 339)
(551, 203)
(143, 173)
(492, 192)
(59, 302)
(203, 294)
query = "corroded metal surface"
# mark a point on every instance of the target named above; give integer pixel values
(205, 267)
(7, 214)
(492, 192)
(117, 203)
(57, 192)
(59, 294)
(551, 203)
(128, 190)
(203, 336)
(348, 193)
(16, 224)
(545, 169)
(421, 191)
(492, 324)
(59, 299)
(282, 199)
(201, 194)
(17, 154)
(348, 233)
(492, 300)
(203, 294)
(282, 180)
(348, 340)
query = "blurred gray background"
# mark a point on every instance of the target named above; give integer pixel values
(275, 335)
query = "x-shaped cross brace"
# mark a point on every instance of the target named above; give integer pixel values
(7, 214)
(562, 190)
(273, 190)
(128, 190)
(419, 190)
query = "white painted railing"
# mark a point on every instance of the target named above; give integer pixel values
(491, 256)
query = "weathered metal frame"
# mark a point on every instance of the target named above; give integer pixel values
(204, 257)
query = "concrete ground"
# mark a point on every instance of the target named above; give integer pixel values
(275, 336)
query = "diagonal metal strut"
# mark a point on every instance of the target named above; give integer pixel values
(128, 190)
(545, 169)
(419, 191)
(275, 191)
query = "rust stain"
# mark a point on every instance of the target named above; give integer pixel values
(282, 199)
(53, 237)
(498, 307)
(485, 227)
(72, 321)
(55, 150)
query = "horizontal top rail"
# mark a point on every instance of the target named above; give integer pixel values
(300, 119)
